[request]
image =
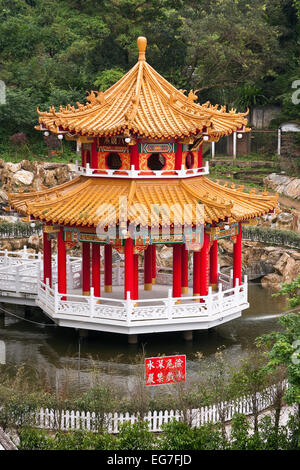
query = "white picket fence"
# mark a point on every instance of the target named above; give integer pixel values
(67, 420)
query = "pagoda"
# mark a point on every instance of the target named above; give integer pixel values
(142, 183)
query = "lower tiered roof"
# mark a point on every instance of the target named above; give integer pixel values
(81, 202)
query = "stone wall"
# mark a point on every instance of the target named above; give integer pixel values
(26, 175)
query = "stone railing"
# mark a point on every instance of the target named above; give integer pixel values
(132, 312)
(133, 173)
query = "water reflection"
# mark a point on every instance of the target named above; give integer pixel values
(54, 350)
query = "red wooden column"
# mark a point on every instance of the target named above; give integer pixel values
(204, 265)
(178, 157)
(94, 157)
(184, 270)
(129, 268)
(107, 268)
(200, 156)
(86, 276)
(136, 276)
(237, 257)
(213, 264)
(196, 273)
(96, 274)
(61, 264)
(153, 254)
(134, 156)
(177, 270)
(47, 258)
(148, 268)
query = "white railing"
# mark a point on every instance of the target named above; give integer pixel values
(132, 312)
(20, 271)
(133, 173)
(67, 420)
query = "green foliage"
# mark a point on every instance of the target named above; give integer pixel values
(135, 437)
(280, 237)
(292, 291)
(284, 349)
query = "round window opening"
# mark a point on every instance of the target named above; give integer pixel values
(156, 162)
(113, 161)
(189, 160)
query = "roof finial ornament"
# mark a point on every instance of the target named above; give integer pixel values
(142, 44)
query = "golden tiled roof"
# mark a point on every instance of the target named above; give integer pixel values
(80, 202)
(145, 104)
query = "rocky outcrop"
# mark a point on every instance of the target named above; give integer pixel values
(27, 175)
(273, 265)
(285, 185)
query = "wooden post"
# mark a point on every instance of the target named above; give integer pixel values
(94, 157)
(237, 257)
(153, 254)
(196, 273)
(47, 258)
(178, 157)
(61, 264)
(86, 276)
(177, 270)
(134, 156)
(213, 265)
(108, 268)
(135, 276)
(96, 273)
(200, 156)
(148, 268)
(204, 266)
(184, 270)
(129, 268)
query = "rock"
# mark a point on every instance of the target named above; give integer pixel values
(12, 167)
(29, 166)
(225, 245)
(22, 178)
(281, 263)
(296, 255)
(272, 282)
(285, 185)
(3, 196)
(2, 163)
(34, 242)
(49, 179)
(52, 166)
(62, 174)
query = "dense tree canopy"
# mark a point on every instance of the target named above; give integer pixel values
(235, 52)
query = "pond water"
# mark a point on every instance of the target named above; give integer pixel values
(58, 353)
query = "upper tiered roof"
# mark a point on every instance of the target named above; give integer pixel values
(143, 103)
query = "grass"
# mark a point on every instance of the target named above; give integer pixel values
(35, 150)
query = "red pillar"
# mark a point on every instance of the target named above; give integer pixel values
(136, 276)
(94, 157)
(200, 156)
(184, 270)
(134, 156)
(204, 265)
(86, 276)
(148, 268)
(237, 257)
(213, 264)
(47, 258)
(177, 270)
(107, 268)
(153, 254)
(178, 157)
(129, 268)
(96, 273)
(61, 264)
(196, 273)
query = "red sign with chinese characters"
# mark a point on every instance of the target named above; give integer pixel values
(165, 370)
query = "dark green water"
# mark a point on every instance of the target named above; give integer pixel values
(55, 350)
